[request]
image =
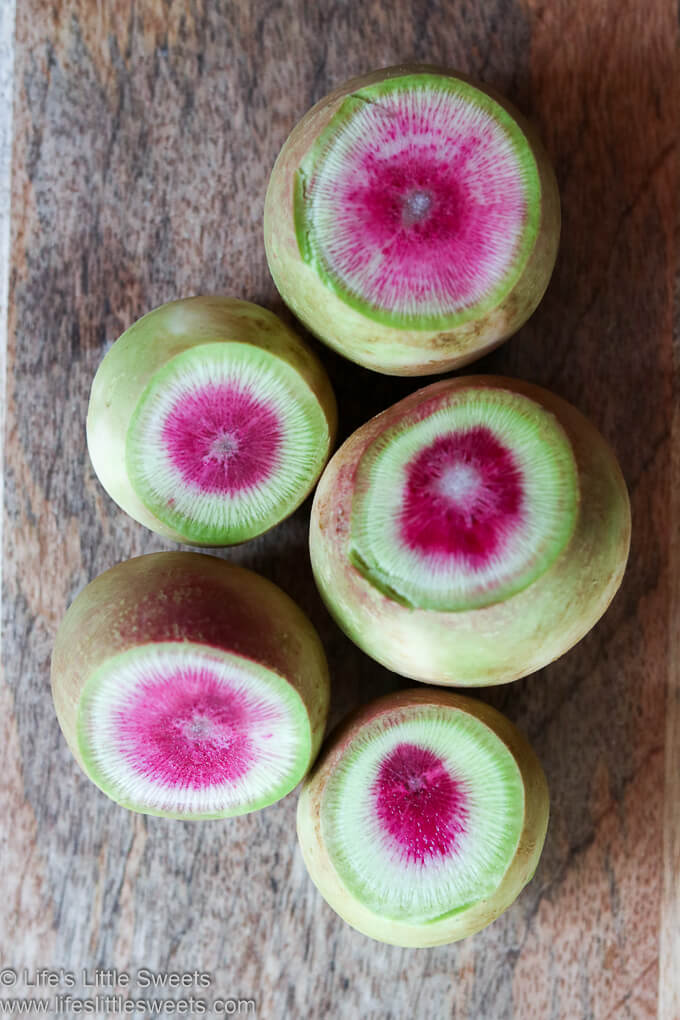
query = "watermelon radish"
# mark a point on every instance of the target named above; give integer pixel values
(188, 687)
(471, 533)
(210, 421)
(423, 818)
(412, 220)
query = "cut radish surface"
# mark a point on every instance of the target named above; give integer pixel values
(432, 813)
(465, 501)
(210, 421)
(189, 688)
(222, 442)
(471, 533)
(182, 730)
(412, 220)
(419, 203)
(439, 801)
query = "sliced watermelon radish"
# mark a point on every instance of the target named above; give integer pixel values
(432, 811)
(189, 688)
(419, 203)
(465, 502)
(472, 532)
(412, 220)
(209, 421)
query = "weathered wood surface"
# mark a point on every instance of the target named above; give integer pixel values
(143, 137)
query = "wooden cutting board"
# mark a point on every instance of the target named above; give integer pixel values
(143, 136)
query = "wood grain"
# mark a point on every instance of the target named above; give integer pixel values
(144, 134)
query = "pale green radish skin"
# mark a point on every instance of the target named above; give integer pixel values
(468, 920)
(189, 599)
(503, 641)
(375, 345)
(150, 344)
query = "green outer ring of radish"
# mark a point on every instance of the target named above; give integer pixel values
(187, 600)
(150, 344)
(94, 771)
(497, 643)
(526, 162)
(459, 923)
(379, 346)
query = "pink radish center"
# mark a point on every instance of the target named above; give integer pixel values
(222, 438)
(463, 498)
(420, 806)
(423, 215)
(187, 729)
